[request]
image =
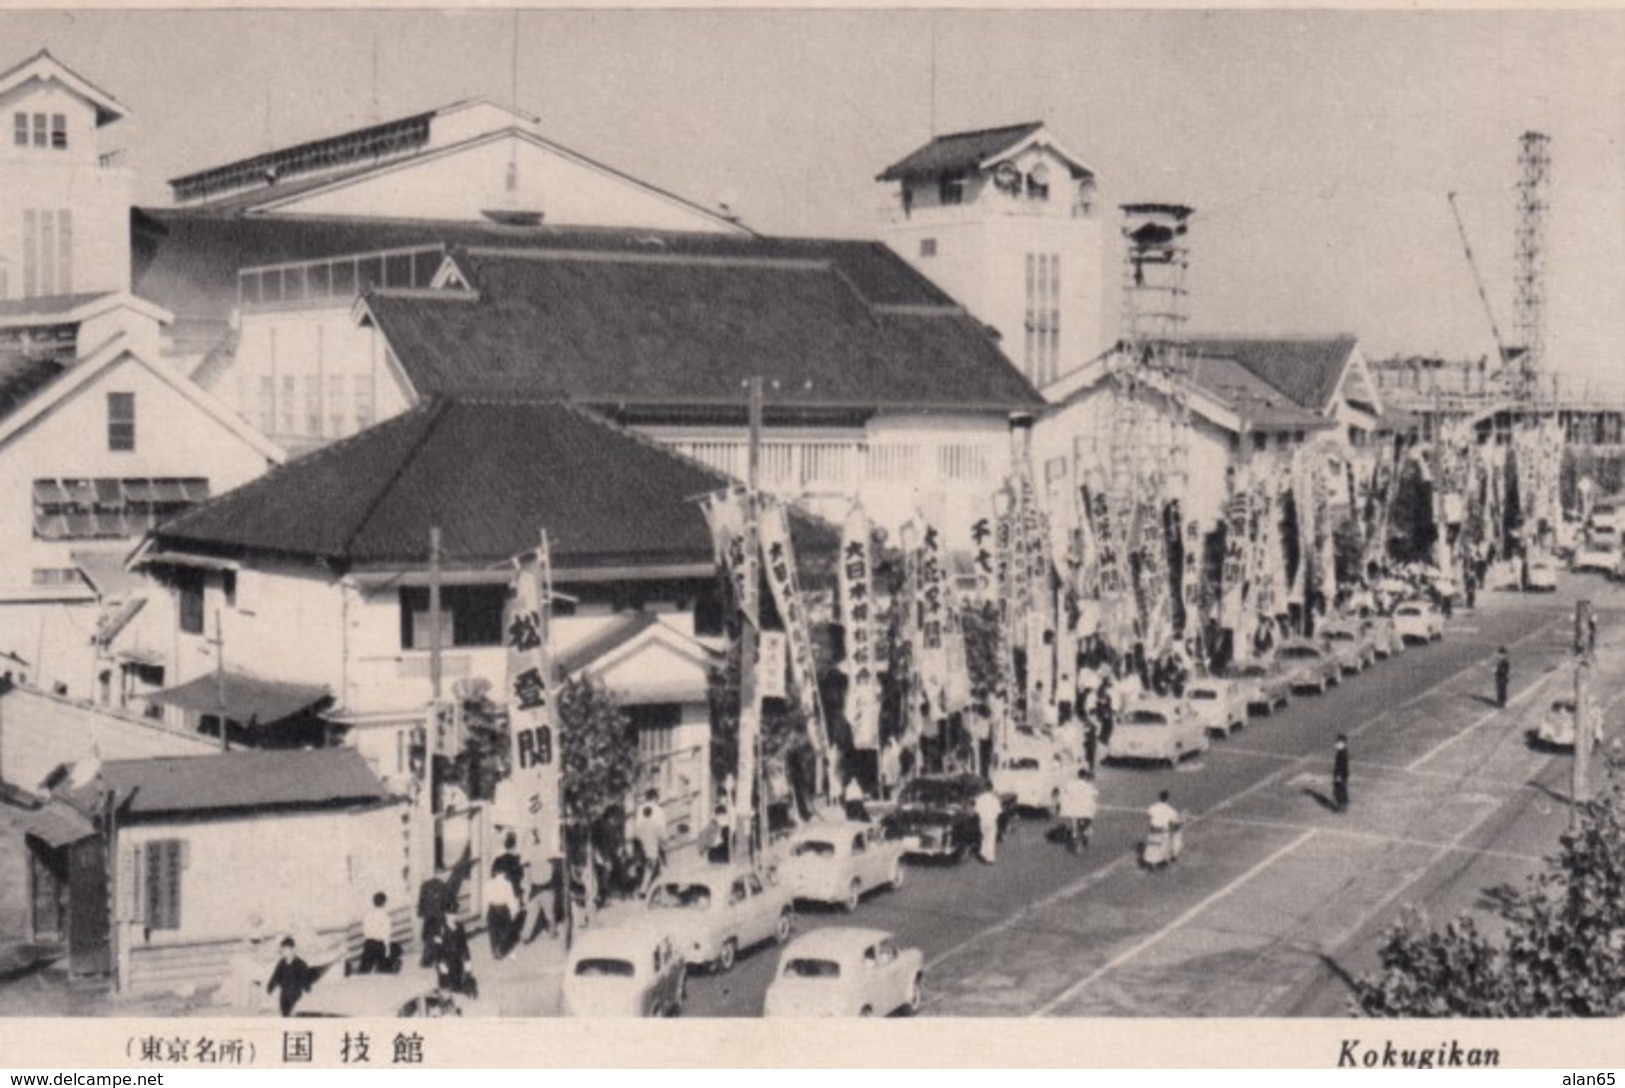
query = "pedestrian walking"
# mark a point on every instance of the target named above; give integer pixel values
(501, 913)
(1164, 842)
(1503, 676)
(451, 960)
(891, 767)
(1340, 773)
(292, 977)
(988, 809)
(649, 829)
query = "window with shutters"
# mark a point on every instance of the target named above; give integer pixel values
(162, 866)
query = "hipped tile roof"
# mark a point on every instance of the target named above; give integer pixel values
(1306, 369)
(958, 152)
(259, 779)
(691, 328)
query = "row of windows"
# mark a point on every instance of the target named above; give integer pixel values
(47, 252)
(110, 507)
(1042, 346)
(321, 412)
(40, 130)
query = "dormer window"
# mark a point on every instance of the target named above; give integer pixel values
(951, 189)
(59, 132)
(40, 130)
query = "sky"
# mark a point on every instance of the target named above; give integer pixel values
(1317, 146)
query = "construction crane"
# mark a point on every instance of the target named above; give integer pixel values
(1506, 354)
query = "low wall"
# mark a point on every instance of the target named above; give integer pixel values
(39, 732)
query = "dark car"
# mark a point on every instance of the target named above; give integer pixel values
(936, 815)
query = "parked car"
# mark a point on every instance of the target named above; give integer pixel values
(1309, 666)
(1385, 636)
(1604, 516)
(1218, 704)
(840, 862)
(936, 815)
(1035, 772)
(1350, 644)
(1262, 685)
(1557, 727)
(844, 971)
(413, 992)
(1157, 728)
(1541, 575)
(1418, 621)
(630, 970)
(715, 912)
(1595, 554)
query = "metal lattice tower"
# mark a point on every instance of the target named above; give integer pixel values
(1156, 262)
(1529, 299)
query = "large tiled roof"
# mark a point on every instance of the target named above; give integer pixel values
(490, 475)
(691, 328)
(1256, 402)
(1306, 369)
(958, 152)
(187, 260)
(254, 780)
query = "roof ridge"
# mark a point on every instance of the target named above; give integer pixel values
(987, 131)
(434, 410)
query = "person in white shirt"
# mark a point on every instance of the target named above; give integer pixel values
(1165, 825)
(376, 931)
(1080, 801)
(988, 809)
(891, 767)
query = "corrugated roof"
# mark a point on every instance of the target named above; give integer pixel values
(1306, 369)
(633, 328)
(259, 779)
(489, 474)
(187, 259)
(958, 152)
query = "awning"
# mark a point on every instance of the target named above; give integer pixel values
(183, 559)
(139, 655)
(58, 825)
(248, 700)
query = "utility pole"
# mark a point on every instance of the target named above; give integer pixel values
(219, 643)
(750, 807)
(1580, 787)
(434, 613)
(431, 720)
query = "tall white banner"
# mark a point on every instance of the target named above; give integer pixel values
(858, 620)
(534, 742)
(780, 559)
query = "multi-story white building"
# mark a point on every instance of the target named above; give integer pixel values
(1005, 221)
(65, 217)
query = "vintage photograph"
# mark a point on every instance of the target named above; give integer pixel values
(812, 513)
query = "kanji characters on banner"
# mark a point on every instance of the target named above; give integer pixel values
(779, 557)
(535, 753)
(858, 620)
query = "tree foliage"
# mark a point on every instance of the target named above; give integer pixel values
(1562, 952)
(600, 749)
(1412, 530)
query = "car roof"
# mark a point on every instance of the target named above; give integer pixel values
(634, 937)
(833, 830)
(835, 941)
(714, 876)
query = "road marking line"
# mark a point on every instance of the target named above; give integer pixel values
(1488, 717)
(1449, 776)
(1257, 754)
(1128, 954)
(1373, 836)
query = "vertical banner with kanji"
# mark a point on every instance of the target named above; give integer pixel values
(534, 752)
(858, 618)
(780, 558)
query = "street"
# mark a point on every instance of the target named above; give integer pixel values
(1275, 896)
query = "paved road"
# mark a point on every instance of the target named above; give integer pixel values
(1275, 891)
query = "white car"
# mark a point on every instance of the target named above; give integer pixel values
(839, 862)
(1595, 554)
(1349, 642)
(409, 993)
(1604, 516)
(1262, 686)
(1035, 773)
(1159, 729)
(1418, 621)
(1219, 705)
(1385, 636)
(1557, 727)
(715, 912)
(630, 970)
(1309, 665)
(1542, 575)
(841, 971)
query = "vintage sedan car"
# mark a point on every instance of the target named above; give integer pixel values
(715, 912)
(1349, 642)
(1385, 637)
(630, 970)
(1418, 621)
(1604, 516)
(936, 815)
(1035, 773)
(1598, 552)
(1261, 684)
(1309, 665)
(1159, 729)
(840, 862)
(412, 992)
(1220, 705)
(1540, 576)
(1557, 729)
(846, 971)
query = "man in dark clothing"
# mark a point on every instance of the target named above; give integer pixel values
(1503, 674)
(292, 977)
(1340, 773)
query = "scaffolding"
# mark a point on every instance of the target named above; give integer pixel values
(1529, 296)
